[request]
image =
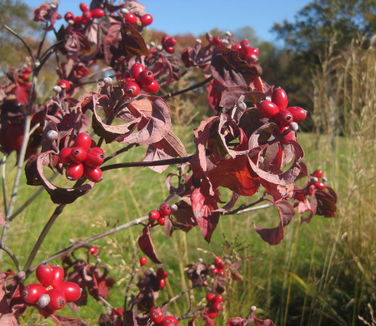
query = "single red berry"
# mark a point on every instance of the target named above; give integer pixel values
(210, 296)
(117, 312)
(94, 174)
(65, 155)
(57, 300)
(130, 18)
(45, 274)
(284, 118)
(320, 185)
(75, 171)
(78, 154)
(83, 7)
(216, 306)
(143, 261)
(68, 16)
(156, 314)
(222, 273)
(58, 276)
(212, 314)
(218, 298)
(77, 19)
(168, 41)
(145, 77)
(216, 270)
(131, 89)
(162, 283)
(154, 215)
(98, 13)
(216, 41)
(170, 49)
(87, 15)
(218, 262)
(28, 70)
(236, 47)
(318, 174)
(66, 84)
(298, 113)
(95, 157)
(146, 19)
(165, 210)
(268, 109)
(153, 87)
(83, 140)
(169, 321)
(136, 69)
(70, 290)
(33, 292)
(255, 52)
(280, 98)
(162, 221)
(245, 43)
(93, 250)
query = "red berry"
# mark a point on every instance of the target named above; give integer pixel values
(318, 174)
(117, 312)
(156, 314)
(298, 113)
(70, 290)
(268, 109)
(83, 7)
(255, 52)
(170, 49)
(68, 16)
(169, 321)
(75, 171)
(165, 210)
(210, 296)
(284, 118)
(131, 89)
(222, 273)
(245, 43)
(153, 87)
(217, 306)
(45, 274)
(78, 154)
(98, 13)
(86, 16)
(218, 262)
(280, 98)
(162, 283)
(28, 70)
(154, 215)
(146, 19)
(162, 221)
(211, 314)
(168, 41)
(33, 292)
(136, 69)
(236, 47)
(320, 185)
(65, 155)
(66, 84)
(143, 261)
(95, 157)
(83, 140)
(58, 276)
(216, 41)
(218, 298)
(216, 270)
(290, 135)
(145, 77)
(57, 300)
(77, 19)
(130, 18)
(94, 174)
(93, 250)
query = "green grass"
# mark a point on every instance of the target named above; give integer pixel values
(296, 283)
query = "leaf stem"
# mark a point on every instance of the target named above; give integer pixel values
(185, 90)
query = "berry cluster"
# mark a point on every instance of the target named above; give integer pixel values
(162, 275)
(157, 316)
(287, 118)
(246, 51)
(160, 215)
(215, 41)
(214, 305)
(219, 267)
(168, 43)
(52, 293)
(82, 159)
(87, 15)
(318, 181)
(131, 18)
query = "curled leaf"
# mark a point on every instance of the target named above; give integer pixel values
(146, 245)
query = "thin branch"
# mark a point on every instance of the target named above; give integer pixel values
(133, 275)
(12, 256)
(165, 97)
(242, 207)
(178, 296)
(84, 242)
(191, 314)
(120, 151)
(3, 184)
(10, 30)
(250, 209)
(177, 160)
(42, 41)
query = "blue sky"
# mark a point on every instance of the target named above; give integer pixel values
(199, 16)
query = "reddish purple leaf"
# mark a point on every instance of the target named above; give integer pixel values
(146, 245)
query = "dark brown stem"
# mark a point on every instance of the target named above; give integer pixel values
(42, 41)
(165, 97)
(245, 206)
(12, 256)
(177, 160)
(178, 296)
(191, 314)
(129, 284)
(120, 151)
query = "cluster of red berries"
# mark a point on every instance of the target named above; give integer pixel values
(141, 78)
(24, 76)
(214, 305)
(52, 293)
(132, 19)
(219, 267)
(160, 215)
(168, 43)
(215, 41)
(157, 316)
(143, 261)
(82, 159)
(318, 181)
(162, 275)
(246, 51)
(286, 117)
(87, 15)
